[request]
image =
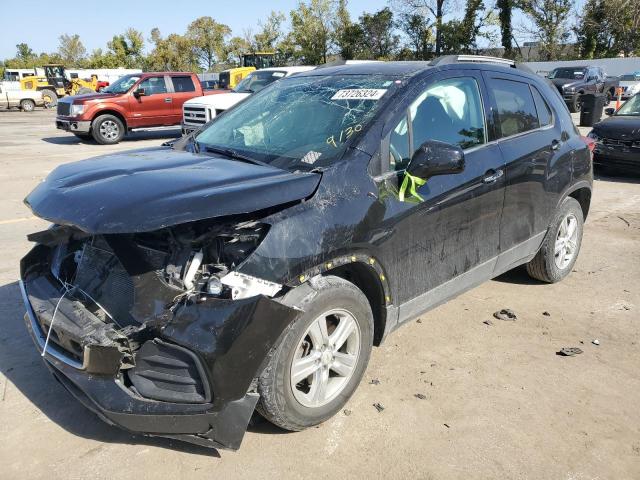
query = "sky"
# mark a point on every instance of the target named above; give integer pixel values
(97, 25)
(96, 22)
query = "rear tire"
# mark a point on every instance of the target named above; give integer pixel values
(333, 357)
(561, 246)
(27, 105)
(50, 98)
(107, 130)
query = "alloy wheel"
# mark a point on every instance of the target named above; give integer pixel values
(566, 241)
(325, 358)
(109, 130)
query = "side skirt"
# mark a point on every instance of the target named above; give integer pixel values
(515, 256)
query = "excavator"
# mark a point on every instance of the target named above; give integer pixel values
(55, 84)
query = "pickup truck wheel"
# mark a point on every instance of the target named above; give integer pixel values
(321, 357)
(560, 248)
(27, 105)
(107, 130)
(575, 104)
(50, 98)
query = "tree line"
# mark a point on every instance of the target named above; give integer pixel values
(317, 31)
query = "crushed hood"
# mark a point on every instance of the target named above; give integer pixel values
(149, 189)
(619, 127)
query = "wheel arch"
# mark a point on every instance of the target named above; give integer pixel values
(581, 192)
(109, 111)
(366, 273)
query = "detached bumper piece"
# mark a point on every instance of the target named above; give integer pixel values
(185, 373)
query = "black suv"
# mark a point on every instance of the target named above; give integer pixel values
(256, 263)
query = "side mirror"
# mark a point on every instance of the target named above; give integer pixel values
(139, 93)
(436, 158)
(609, 111)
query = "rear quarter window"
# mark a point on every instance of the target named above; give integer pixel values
(544, 111)
(183, 84)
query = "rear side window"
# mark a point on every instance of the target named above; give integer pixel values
(516, 108)
(544, 112)
(183, 84)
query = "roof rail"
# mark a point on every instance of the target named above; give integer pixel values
(453, 59)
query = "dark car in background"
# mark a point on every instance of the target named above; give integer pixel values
(573, 82)
(255, 264)
(618, 138)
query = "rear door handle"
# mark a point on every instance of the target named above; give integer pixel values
(555, 145)
(492, 175)
(168, 100)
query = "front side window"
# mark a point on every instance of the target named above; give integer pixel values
(153, 85)
(516, 108)
(449, 111)
(569, 73)
(183, 84)
(300, 122)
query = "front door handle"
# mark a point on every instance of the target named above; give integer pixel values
(492, 175)
(167, 100)
(555, 145)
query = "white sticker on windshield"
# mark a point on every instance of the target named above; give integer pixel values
(277, 74)
(311, 157)
(359, 94)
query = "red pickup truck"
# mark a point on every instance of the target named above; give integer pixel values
(137, 101)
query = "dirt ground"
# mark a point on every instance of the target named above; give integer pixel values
(499, 403)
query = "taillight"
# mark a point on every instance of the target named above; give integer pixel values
(591, 144)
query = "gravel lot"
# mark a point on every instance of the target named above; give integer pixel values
(498, 401)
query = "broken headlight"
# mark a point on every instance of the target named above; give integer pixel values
(202, 258)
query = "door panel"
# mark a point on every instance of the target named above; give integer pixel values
(531, 153)
(454, 230)
(154, 108)
(183, 89)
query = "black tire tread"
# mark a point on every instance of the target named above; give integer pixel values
(299, 297)
(539, 266)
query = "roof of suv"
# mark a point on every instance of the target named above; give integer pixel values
(410, 68)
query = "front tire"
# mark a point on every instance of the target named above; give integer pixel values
(322, 356)
(50, 98)
(27, 105)
(575, 104)
(107, 130)
(561, 246)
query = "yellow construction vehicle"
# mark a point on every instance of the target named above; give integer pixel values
(259, 60)
(55, 84)
(233, 76)
(251, 61)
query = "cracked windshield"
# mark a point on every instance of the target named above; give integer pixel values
(299, 123)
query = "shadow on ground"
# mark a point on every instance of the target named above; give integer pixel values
(21, 364)
(130, 137)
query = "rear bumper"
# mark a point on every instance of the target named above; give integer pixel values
(227, 340)
(70, 125)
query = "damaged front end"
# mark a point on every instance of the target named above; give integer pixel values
(156, 332)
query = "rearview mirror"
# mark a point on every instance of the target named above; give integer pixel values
(609, 111)
(139, 93)
(436, 158)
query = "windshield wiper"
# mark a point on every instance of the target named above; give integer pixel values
(229, 152)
